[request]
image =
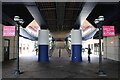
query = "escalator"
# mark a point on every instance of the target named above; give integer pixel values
(51, 51)
(60, 53)
(68, 50)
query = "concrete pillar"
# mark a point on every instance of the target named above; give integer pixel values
(76, 41)
(43, 42)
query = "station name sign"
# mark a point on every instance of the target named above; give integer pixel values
(108, 31)
(8, 30)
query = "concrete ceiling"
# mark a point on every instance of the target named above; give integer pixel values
(62, 16)
(55, 16)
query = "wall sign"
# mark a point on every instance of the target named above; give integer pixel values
(8, 30)
(108, 31)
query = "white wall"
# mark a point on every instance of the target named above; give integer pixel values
(111, 47)
(26, 43)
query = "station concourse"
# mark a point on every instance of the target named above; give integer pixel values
(51, 40)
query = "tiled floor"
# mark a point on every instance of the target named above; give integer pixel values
(59, 67)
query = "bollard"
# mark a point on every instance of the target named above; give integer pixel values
(59, 52)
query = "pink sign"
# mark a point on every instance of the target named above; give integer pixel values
(9, 31)
(108, 31)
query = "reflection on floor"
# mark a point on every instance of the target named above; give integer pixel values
(59, 67)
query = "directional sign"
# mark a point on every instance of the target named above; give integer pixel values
(8, 30)
(108, 31)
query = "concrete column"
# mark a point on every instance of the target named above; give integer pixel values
(76, 48)
(43, 42)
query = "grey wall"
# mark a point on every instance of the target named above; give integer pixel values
(1, 43)
(112, 47)
(12, 52)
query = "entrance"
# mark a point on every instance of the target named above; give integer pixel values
(6, 49)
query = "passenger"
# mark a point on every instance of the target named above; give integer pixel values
(89, 52)
(36, 51)
(59, 52)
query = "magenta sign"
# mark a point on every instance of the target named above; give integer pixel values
(108, 31)
(9, 31)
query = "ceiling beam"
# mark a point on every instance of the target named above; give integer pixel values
(37, 16)
(42, 9)
(60, 11)
(86, 10)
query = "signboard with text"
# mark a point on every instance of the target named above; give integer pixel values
(8, 30)
(108, 31)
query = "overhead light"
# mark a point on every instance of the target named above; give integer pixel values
(101, 18)
(96, 21)
(21, 21)
(16, 18)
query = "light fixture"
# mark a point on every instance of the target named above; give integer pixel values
(21, 21)
(16, 18)
(101, 18)
(96, 21)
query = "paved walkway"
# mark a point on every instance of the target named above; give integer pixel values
(59, 67)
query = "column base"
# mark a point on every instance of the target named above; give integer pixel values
(101, 74)
(43, 53)
(18, 72)
(76, 53)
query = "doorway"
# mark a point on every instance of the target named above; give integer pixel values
(6, 49)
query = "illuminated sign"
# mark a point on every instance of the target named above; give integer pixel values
(9, 31)
(108, 31)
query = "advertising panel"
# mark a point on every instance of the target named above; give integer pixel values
(108, 31)
(8, 30)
